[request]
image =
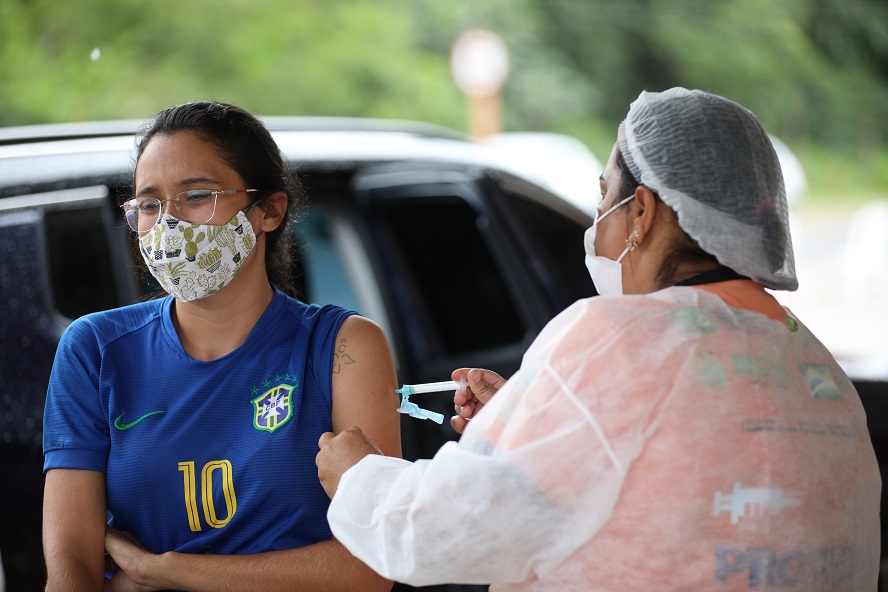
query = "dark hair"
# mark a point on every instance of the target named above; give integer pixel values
(247, 147)
(684, 249)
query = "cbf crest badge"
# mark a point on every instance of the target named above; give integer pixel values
(273, 408)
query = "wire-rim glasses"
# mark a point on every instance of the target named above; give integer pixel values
(195, 206)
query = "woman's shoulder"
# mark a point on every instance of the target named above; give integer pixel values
(626, 310)
(646, 306)
(590, 320)
(107, 325)
(613, 319)
(298, 306)
(311, 314)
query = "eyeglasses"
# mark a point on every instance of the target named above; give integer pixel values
(195, 206)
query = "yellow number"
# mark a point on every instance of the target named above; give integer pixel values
(187, 469)
(227, 483)
(227, 489)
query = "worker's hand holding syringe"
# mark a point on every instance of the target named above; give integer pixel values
(481, 385)
(473, 388)
(468, 399)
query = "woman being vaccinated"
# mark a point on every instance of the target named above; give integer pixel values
(190, 423)
(682, 431)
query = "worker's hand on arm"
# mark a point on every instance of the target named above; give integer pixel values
(482, 385)
(339, 453)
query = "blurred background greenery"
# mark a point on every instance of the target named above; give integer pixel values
(815, 71)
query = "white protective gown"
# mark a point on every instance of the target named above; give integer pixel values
(657, 442)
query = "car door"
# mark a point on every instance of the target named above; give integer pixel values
(63, 256)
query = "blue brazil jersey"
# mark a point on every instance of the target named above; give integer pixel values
(199, 457)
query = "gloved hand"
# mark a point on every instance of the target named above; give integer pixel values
(338, 453)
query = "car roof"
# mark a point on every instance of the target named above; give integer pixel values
(56, 152)
(64, 151)
(128, 127)
(53, 153)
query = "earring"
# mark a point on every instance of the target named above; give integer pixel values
(632, 241)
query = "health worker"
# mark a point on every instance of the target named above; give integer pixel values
(189, 424)
(682, 431)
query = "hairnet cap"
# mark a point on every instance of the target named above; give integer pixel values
(712, 162)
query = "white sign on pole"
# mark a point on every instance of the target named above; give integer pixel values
(479, 61)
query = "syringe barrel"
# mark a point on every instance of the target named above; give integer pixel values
(433, 387)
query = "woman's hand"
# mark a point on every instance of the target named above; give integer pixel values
(482, 385)
(131, 561)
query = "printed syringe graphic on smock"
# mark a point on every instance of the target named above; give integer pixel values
(414, 410)
(752, 501)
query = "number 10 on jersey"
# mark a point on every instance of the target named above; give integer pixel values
(226, 480)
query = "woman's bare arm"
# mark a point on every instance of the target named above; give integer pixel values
(364, 384)
(74, 516)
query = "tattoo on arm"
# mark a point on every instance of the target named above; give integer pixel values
(340, 357)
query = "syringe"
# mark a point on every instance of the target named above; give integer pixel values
(431, 387)
(413, 410)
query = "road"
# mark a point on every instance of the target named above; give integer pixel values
(842, 266)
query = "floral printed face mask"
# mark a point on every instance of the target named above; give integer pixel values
(193, 261)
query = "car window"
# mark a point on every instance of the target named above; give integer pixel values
(86, 253)
(458, 295)
(553, 250)
(325, 278)
(81, 268)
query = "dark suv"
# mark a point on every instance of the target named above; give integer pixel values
(459, 261)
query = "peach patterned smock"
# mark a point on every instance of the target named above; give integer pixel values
(690, 439)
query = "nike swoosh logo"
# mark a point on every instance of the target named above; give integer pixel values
(118, 423)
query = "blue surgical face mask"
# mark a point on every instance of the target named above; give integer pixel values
(607, 274)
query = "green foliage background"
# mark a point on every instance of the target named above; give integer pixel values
(815, 71)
